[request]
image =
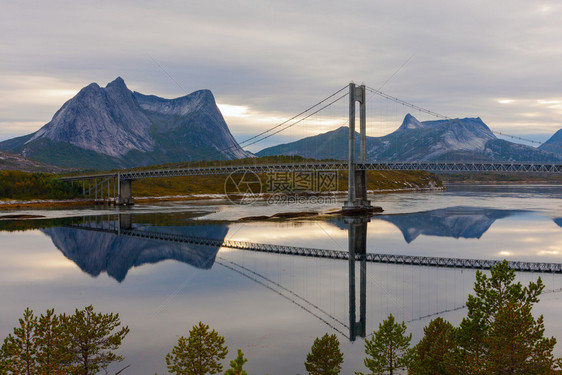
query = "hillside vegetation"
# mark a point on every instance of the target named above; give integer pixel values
(215, 184)
(24, 186)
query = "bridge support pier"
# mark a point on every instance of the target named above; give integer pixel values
(357, 242)
(125, 197)
(357, 182)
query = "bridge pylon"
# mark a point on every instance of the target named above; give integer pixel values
(357, 182)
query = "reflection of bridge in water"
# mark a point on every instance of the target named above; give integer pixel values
(122, 227)
(359, 236)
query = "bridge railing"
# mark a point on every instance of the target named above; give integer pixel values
(512, 167)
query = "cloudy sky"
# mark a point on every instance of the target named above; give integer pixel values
(267, 60)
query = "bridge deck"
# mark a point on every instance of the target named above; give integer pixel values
(549, 168)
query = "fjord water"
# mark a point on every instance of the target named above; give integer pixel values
(273, 306)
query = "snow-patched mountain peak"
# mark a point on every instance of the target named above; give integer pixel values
(410, 122)
(449, 140)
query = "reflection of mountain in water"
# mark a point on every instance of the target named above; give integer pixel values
(96, 251)
(558, 221)
(456, 222)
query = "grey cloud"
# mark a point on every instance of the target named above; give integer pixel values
(284, 55)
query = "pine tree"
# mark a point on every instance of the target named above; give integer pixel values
(325, 357)
(199, 354)
(19, 348)
(93, 340)
(516, 344)
(58, 344)
(499, 334)
(429, 354)
(236, 365)
(389, 348)
(53, 353)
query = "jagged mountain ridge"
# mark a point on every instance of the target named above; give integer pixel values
(441, 140)
(113, 127)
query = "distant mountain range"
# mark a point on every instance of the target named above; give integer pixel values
(442, 140)
(112, 127)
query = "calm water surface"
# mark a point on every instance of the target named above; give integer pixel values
(274, 306)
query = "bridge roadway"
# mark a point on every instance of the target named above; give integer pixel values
(550, 168)
(336, 254)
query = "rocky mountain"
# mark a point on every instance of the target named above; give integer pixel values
(554, 144)
(15, 162)
(111, 127)
(442, 140)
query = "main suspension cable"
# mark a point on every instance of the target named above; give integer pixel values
(292, 118)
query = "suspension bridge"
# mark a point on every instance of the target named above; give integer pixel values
(117, 186)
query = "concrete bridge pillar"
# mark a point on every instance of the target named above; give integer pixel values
(357, 182)
(125, 196)
(357, 242)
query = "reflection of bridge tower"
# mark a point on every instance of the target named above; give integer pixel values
(125, 221)
(357, 183)
(357, 242)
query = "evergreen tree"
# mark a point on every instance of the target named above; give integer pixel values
(516, 344)
(93, 340)
(199, 354)
(389, 348)
(499, 334)
(236, 365)
(53, 354)
(3, 361)
(430, 352)
(58, 344)
(325, 357)
(18, 349)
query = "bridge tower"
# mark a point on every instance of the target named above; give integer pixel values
(357, 183)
